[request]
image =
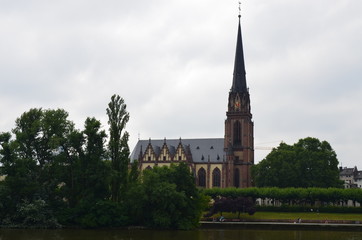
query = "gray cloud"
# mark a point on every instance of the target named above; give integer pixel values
(172, 62)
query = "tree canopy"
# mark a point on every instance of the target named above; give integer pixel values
(118, 145)
(307, 163)
(52, 174)
(167, 197)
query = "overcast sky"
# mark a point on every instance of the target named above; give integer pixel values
(172, 62)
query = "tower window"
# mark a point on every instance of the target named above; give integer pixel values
(236, 178)
(237, 133)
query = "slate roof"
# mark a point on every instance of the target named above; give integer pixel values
(202, 149)
(347, 172)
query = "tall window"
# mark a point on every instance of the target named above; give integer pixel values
(237, 133)
(216, 178)
(201, 174)
(236, 178)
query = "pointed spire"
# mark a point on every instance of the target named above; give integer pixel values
(239, 79)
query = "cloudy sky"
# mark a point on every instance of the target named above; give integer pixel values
(172, 62)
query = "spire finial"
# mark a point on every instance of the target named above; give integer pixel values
(239, 9)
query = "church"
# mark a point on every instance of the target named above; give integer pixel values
(215, 162)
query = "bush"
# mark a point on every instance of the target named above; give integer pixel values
(35, 214)
(228, 204)
(168, 199)
(295, 196)
(324, 209)
(95, 215)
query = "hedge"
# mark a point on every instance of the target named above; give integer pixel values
(292, 196)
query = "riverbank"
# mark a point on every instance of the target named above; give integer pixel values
(293, 217)
(283, 224)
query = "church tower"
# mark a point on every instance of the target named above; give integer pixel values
(215, 162)
(239, 127)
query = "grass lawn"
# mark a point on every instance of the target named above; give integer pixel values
(296, 215)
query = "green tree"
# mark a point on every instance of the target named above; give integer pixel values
(95, 171)
(86, 179)
(167, 198)
(6, 152)
(6, 160)
(83, 169)
(308, 163)
(70, 171)
(29, 162)
(39, 135)
(52, 169)
(118, 146)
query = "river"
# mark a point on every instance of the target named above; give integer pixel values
(201, 234)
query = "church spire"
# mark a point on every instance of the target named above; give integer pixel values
(239, 79)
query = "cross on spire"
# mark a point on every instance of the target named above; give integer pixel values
(239, 9)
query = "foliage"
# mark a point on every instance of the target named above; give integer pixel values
(319, 209)
(94, 215)
(306, 216)
(118, 145)
(29, 162)
(51, 161)
(167, 198)
(56, 173)
(292, 196)
(308, 163)
(93, 177)
(35, 214)
(228, 204)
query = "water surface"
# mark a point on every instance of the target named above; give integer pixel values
(202, 234)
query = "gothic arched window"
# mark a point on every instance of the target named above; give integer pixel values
(201, 174)
(216, 178)
(236, 178)
(237, 133)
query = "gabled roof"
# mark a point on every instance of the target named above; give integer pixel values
(202, 149)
